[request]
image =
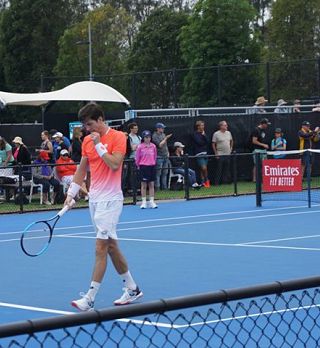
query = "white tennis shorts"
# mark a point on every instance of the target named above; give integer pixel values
(105, 216)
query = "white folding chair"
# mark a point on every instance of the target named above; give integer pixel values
(32, 186)
(180, 178)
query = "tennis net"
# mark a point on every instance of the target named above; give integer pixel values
(280, 314)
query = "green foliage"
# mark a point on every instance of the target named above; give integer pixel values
(155, 50)
(219, 32)
(293, 34)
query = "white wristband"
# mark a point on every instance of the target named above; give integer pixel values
(101, 149)
(73, 189)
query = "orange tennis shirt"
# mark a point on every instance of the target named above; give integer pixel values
(105, 183)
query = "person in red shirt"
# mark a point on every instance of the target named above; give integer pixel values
(103, 150)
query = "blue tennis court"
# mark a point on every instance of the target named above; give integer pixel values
(182, 248)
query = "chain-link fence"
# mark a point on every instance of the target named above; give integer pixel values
(280, 314)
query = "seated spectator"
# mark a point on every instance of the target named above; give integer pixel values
(177, 163)
(65, 170)
(43, 174)
(258, 105)
(316, 108)
(21, 155)
(296, 106)
(58, 144)
(279, 143)
(281, 109)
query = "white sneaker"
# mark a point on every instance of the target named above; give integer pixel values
(128, 296)
(143, 205)
(47, 203)
(84, 304)
(153, 205)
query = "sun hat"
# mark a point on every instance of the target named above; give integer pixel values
(178, 144)
(261, 100)
(17, 140)
(281, 102)
(265, 121)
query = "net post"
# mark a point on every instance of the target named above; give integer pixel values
(258, 179)
(308, 165)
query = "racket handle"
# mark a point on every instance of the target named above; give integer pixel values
(66, 208)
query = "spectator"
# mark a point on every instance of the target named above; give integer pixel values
(58, 144)
(160, 140)
(177, 163)
(66, 169)
(6, 157)
(222, 145)
(296, 106)
(278, 143)
(200, 146)
(281, 109)
(134, 140)
(306, 138)
(146, 159)
(21, 155)
(260, 146)
(43, 174)
(76, 144)
(46, 145)
(65, 139)
(258, 106)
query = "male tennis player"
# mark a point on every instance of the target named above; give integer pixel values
(103, 151)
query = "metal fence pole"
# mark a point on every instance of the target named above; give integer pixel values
(235, 173)
(258, 179)
(268, 87)
(186, 177)
(20, 188)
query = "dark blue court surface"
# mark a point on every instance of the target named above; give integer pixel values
(181, 248)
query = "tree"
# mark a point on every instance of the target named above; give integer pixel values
(109, 44)
(218, 33)
(155, 50)
(29, 40)
(294, 40)
(263, 9)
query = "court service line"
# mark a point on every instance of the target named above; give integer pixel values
(178, 218)
(282, 239)
(197, 243)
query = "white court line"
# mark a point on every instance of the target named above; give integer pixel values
(165, 325)
(282, 239)
(178, 218)
(197, 243)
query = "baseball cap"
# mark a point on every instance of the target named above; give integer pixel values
(265, 121)
(146, 133)
(57, 135)
(278, 130)
(306, 123)
(160, 125)
(178, 144)
(64, 152)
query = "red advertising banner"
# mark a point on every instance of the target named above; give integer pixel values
(282, 175)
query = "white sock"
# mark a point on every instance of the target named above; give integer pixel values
(128, 280)
(151, 199)
(94, 288)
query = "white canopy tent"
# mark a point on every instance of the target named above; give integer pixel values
(79, 91)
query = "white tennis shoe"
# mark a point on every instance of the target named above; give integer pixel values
(152, 205)
(84, 304)
(128, 296)
(143, 205)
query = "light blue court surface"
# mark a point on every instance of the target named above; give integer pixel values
(181, 248)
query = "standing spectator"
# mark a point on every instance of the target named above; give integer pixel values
(46, 145)
(134, 140)
(6, 157)
(279, 143)
(43, 174)
(200, 147)
(76, 144)
(258, 107)
(146, 159)
(306, 138)
(281, 109)
(160, 140)
(58, 144)
(21, 155)
(222, 145)
(260, 147)
(177, 162)
(296, 106)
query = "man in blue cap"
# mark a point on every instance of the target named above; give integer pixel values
(160, 140)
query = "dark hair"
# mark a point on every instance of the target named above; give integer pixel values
(2, 143)
(90, 111)
(132, 125)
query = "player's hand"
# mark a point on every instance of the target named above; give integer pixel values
(95, 136)
(69, 201)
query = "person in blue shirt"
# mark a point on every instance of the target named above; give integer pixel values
(278, 143)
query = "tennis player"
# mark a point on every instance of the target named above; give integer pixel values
(103, 151)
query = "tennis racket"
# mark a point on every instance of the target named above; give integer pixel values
(37, 236)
